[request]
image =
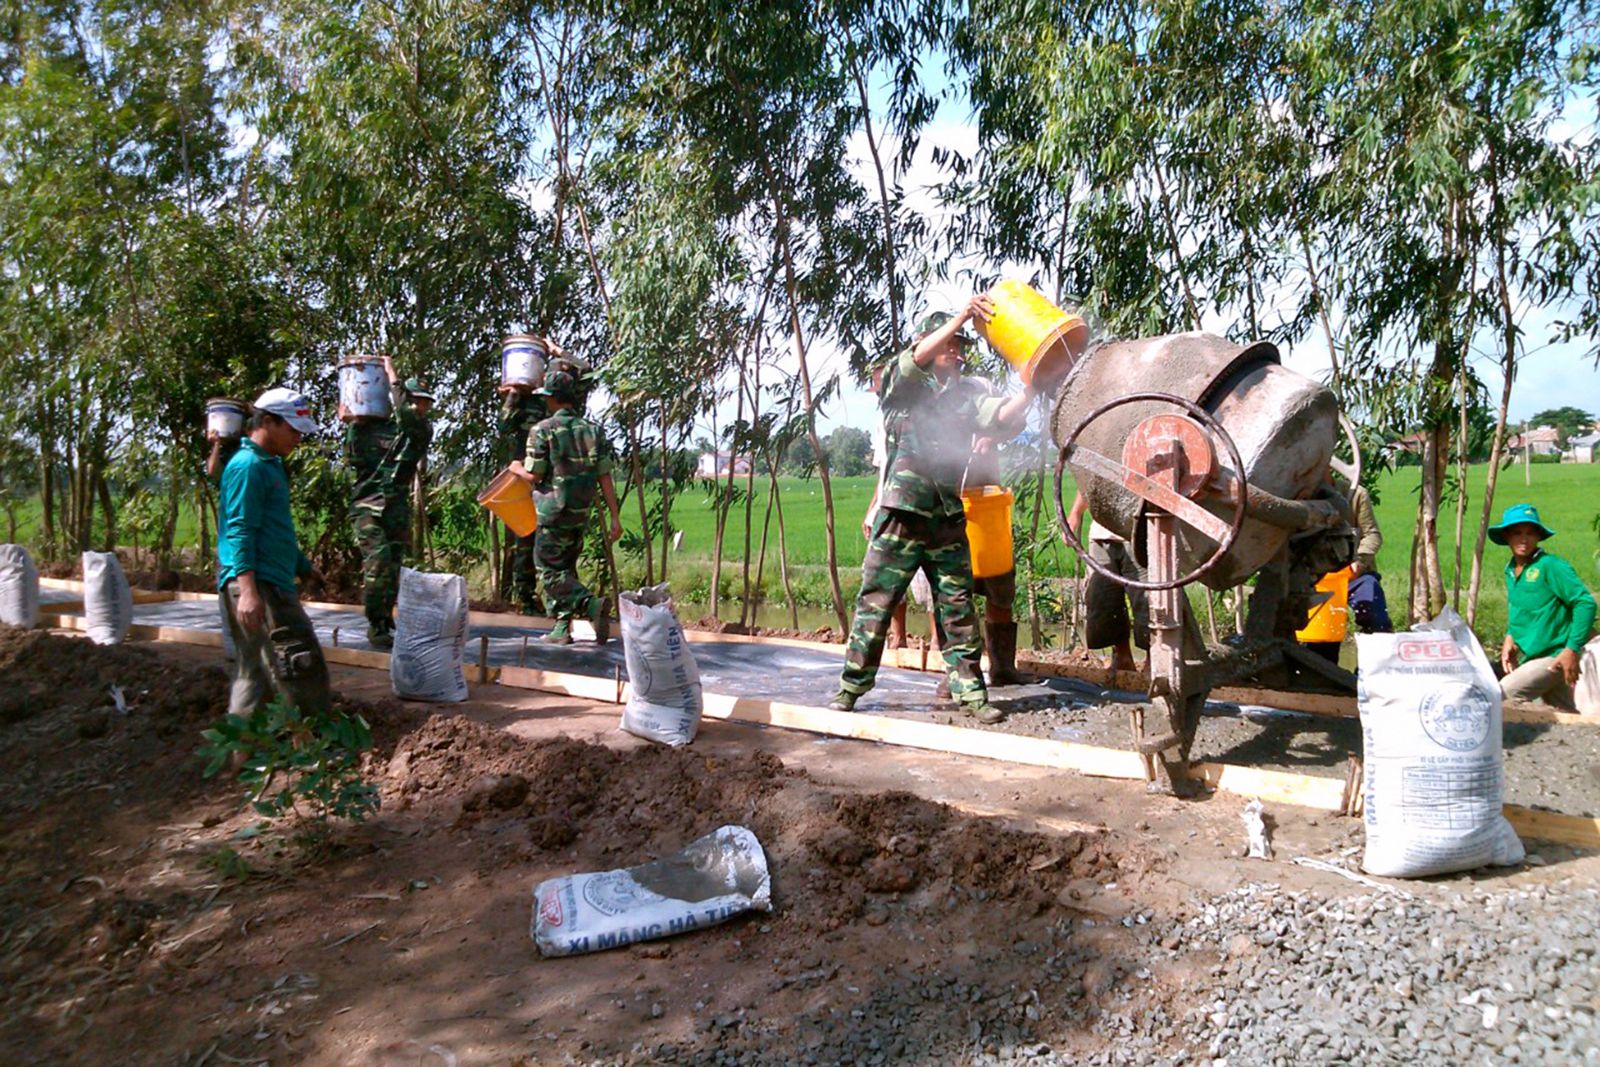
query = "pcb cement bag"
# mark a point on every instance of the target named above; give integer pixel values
(107, 598)
(1430, 726)
(713, 879)
(665, 699)
(19, 587)
(430, 636)
(1586, 694)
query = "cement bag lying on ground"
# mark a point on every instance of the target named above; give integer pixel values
(107, 598)
(1586, 694)
(1430, 726)
(430, 635)
(715, 878)
(19, 587)
(664, 681)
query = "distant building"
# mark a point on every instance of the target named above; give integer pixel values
(721, 464)
(1582, 449)
(1540, 441)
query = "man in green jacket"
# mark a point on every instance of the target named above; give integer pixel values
(260, 559)
(1549, 613)
(930, 423)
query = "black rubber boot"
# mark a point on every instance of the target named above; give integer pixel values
(1001, 640)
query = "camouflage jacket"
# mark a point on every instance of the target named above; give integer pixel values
(519, 413)
(929, 430)
(384, 453)
(567, 455)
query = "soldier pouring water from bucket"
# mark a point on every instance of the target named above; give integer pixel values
(931, 423)
(522, 371)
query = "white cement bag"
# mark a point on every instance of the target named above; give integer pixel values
(107, 598)
(430, 636)
(1586, 694)
(713, 879)
(19, 587)
(1431, 735)
(665, 699)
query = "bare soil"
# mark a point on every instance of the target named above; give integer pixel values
(144, 923)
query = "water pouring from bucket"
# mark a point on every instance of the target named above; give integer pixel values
(1033, 335)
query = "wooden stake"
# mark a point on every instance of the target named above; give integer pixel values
(522, 657)
(483, 659)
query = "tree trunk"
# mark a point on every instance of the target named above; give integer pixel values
(891, 271)
(761, 559)
(1434, 457)
(746, 608)
(783, 546)
(1416, 554)
(103, 490)
(1322, 310)
(1461, 489)
(666, 493)
(636, 476)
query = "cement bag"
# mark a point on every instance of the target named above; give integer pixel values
(1430, 726)
(19, 587)
(715, 878)
(107, 598)
(664, 682)
(1586, 694)
(430, 635)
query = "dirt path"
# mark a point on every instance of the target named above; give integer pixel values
(141, 927)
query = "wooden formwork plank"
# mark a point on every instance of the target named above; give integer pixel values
(1579, 830)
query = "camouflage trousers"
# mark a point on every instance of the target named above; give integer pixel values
(557, 549)
(525, 574)
(902, 544)
(382, 525)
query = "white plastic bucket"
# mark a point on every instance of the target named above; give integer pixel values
(225, 417)
(364, 387)
(522, 358)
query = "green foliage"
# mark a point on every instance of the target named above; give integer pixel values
(289, 760)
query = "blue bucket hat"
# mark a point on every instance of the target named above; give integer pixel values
(1518, 515)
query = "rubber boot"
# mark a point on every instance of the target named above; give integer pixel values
(560, 633)
(984, 712)
(843, 700)
(1001, 639)
(380, 639)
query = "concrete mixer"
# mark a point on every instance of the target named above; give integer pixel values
(1215, 463)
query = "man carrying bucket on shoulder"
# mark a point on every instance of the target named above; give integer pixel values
(522, 408)
(920, 524)
(260, 560)
(380, 451)
(568, 460)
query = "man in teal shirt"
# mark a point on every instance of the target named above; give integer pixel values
(260, 559)
(1549, 613)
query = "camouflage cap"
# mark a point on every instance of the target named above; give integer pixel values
(561, 381)
(415, 388)
(935, 320)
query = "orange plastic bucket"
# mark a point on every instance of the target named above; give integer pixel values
(989, 530)
(1330, 619)
(1033, 335)
(510, 498)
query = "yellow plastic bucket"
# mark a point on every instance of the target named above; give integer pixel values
(1033, 335)
(510, 498)
(1330, 618)
(989, 530)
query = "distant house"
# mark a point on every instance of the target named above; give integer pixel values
(1582, 449)
(721, 464)
(1540, 441)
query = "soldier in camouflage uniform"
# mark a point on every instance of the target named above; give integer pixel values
(568, 459)
(384, 455)
(920, 524)
(523, 408)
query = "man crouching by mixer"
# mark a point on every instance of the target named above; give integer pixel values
(920, 524)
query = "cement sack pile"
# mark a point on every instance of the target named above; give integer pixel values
(1433, 766)
(665, 699)
(19, 587)
(107, 598)
(430, 637)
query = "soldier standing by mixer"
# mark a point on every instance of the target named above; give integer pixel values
(920, 524)
(566, 461)
(384, 454)
(522, 408)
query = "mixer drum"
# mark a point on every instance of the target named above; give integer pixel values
(1284, 424)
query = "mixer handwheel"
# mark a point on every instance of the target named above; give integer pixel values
(1180, 507)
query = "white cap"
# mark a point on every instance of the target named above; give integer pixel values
(290, 406)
